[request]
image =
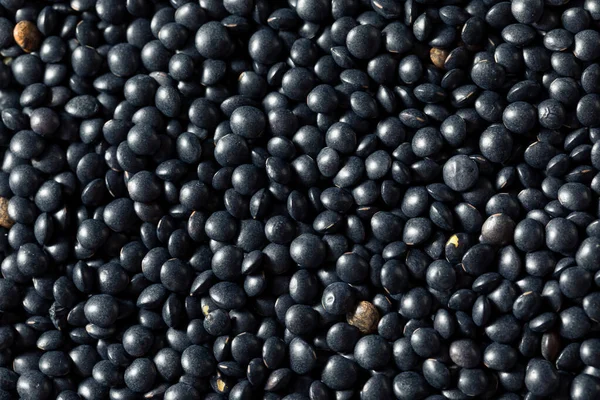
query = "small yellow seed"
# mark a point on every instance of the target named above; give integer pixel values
(438, 56)
(453, 240)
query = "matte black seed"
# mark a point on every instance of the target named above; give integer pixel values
(540, 377)
(587, 109)
(460, 173)
(425, 342)
(584, 386)
(227, 295)
(574, 323)
(409, 385)
(197, 361)
(583, 49)
(363, 41)
(302, 356)
(101, 310)
(339, 373)
(34, 385)
(588, 253)
(499, 357)
(497, 229)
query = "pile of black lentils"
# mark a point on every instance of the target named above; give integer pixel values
(300, 200)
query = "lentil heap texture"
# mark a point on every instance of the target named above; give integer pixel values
(301, 200)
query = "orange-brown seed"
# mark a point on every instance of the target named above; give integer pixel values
(365, 317)
(27, 36)
(5, 220)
